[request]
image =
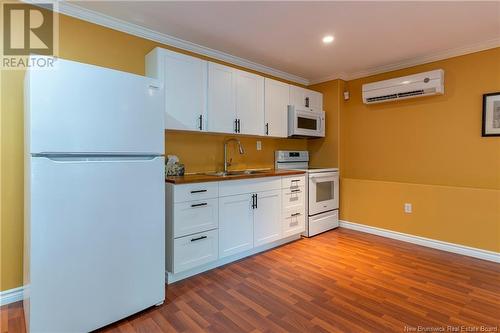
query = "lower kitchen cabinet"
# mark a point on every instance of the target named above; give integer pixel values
(195, 250)
(293, 222)
(211, 224)
(195, 216)
(235, 224)
(293, 205)
(267, 217)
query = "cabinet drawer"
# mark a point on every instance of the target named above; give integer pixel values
(293, 182)
(294, 198)
(197, 191)
(294, 222)
(195, 216)
(195, 250)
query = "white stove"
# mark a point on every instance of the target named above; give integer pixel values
(322, 189)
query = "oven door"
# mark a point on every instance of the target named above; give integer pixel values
(323, 192)
(306, 123)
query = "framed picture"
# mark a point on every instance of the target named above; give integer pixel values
(491, 114)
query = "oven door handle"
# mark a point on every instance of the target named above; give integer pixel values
(315, 179)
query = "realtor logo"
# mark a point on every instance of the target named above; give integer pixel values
(27, 30)
(29, 35)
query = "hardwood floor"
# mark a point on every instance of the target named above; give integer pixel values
(340, 281)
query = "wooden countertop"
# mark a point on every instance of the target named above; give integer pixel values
(201, 178)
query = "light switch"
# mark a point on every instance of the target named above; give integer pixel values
(408, 208)
(259, 145)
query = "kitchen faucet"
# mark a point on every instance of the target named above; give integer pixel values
(240, 148)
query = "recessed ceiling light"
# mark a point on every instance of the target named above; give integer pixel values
(328, 39)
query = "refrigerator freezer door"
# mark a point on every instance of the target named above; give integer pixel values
(80, 108)
(96, 242)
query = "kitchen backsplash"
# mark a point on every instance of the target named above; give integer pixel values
(205, 152)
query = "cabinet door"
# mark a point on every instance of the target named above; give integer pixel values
(185, 85)
(267, 217)
(315, 100)
(235, 224)
(298, 97)
(277, 98)
(221, 101)
(250, 102)
(306, 99)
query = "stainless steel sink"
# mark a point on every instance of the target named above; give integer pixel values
(236, 173)
(253, 172)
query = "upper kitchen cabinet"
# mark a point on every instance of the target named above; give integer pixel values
(185, 83)
(249, 103)
(277, 98)
(205, 96)
(306, 99)
(221, 99)
(235, 101)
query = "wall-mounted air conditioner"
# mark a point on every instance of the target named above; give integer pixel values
(422, 84)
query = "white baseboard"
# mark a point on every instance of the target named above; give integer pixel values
(11, 295)
(435, 244)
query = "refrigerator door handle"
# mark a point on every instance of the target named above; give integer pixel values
(83, 158)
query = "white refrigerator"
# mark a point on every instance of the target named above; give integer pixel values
(94, 196)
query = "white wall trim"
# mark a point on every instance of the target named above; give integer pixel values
(81, 13)
(476, 47)
(428, 242)
(11, 295)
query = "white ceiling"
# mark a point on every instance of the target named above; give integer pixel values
(369, 36)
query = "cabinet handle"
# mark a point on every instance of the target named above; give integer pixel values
(256, 200)
(198, 191)
(236, 126)
(239, 125)
(201, 122)
(295, 191)
(267, 128)
(199, 205)
(307, 102)
(198, 238)
(295, 180)
(295, 214)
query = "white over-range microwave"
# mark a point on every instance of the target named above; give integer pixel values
(305, 123)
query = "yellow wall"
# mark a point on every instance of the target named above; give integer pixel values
(325, 151)
(426, 151)
(12, 173)
(89, 43)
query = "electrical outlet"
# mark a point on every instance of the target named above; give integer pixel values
(408, 208)
(259, 145)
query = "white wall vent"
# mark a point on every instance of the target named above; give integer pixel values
(411, 86)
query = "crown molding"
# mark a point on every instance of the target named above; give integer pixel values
(66, 8)
(472, 48)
